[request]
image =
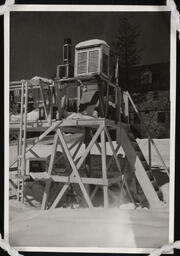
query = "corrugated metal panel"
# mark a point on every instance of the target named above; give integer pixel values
(93, 61)
(82, 63)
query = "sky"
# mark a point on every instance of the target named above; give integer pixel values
(36, 38)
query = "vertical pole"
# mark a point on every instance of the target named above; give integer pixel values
(78, 96)
(24, 130)
(50, 105)
(104, 168)
(149, 149)
(20, 181)
(126, 106)
(50, 168)
(107, 100)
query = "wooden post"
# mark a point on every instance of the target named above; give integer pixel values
(149, 149)
(107, 101)
(78, 96)
(104, 168)
(118, 106)
(126, 106)
(50, 106)
(74, 168)
(50, 168)
(58, 100)
(101, 100)
(24, 130)
(43, 99)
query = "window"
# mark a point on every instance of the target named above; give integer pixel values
(161, 117)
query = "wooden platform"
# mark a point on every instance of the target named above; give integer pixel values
(40, 126)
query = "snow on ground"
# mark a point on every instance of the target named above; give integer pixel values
(122, 227)
(107, 228)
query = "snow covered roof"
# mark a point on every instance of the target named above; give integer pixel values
(92, 42)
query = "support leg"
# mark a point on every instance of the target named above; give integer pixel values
(104, 168)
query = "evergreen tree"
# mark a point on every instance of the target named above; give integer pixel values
(125, 48)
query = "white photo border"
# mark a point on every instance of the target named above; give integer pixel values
(89, 8)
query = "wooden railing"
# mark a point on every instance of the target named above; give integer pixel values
(150, 140)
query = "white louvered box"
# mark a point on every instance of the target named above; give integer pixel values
(91, 58)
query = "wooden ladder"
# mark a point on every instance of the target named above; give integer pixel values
(22, 140)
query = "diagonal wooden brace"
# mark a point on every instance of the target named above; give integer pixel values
(74, 168)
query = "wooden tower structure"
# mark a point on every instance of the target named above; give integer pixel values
(95, 116)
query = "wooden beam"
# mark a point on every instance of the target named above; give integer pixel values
(42, 136)
(60, 195)
(112, 157)
(94, 192)
(43, 99)
(74, 168)
(77, 150)
(104, 168)
(51, 163)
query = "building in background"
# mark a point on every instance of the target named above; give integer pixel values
(150, 91)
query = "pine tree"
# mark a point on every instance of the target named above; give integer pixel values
(125, 48)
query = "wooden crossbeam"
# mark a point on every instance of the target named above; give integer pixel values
(60, 195)
(42, 136)
(72, 179)
(112, 157)
(74, 168)
(77, 149)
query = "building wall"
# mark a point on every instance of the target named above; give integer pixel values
(154, 107)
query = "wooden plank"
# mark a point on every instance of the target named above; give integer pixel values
(74, 179)
(60, 195)
(67, 179)
(74, 168)
(104, 168)
(51, 163)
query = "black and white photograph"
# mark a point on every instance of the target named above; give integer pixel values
(90, 128)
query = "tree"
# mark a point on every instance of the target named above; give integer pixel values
(125, 49)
